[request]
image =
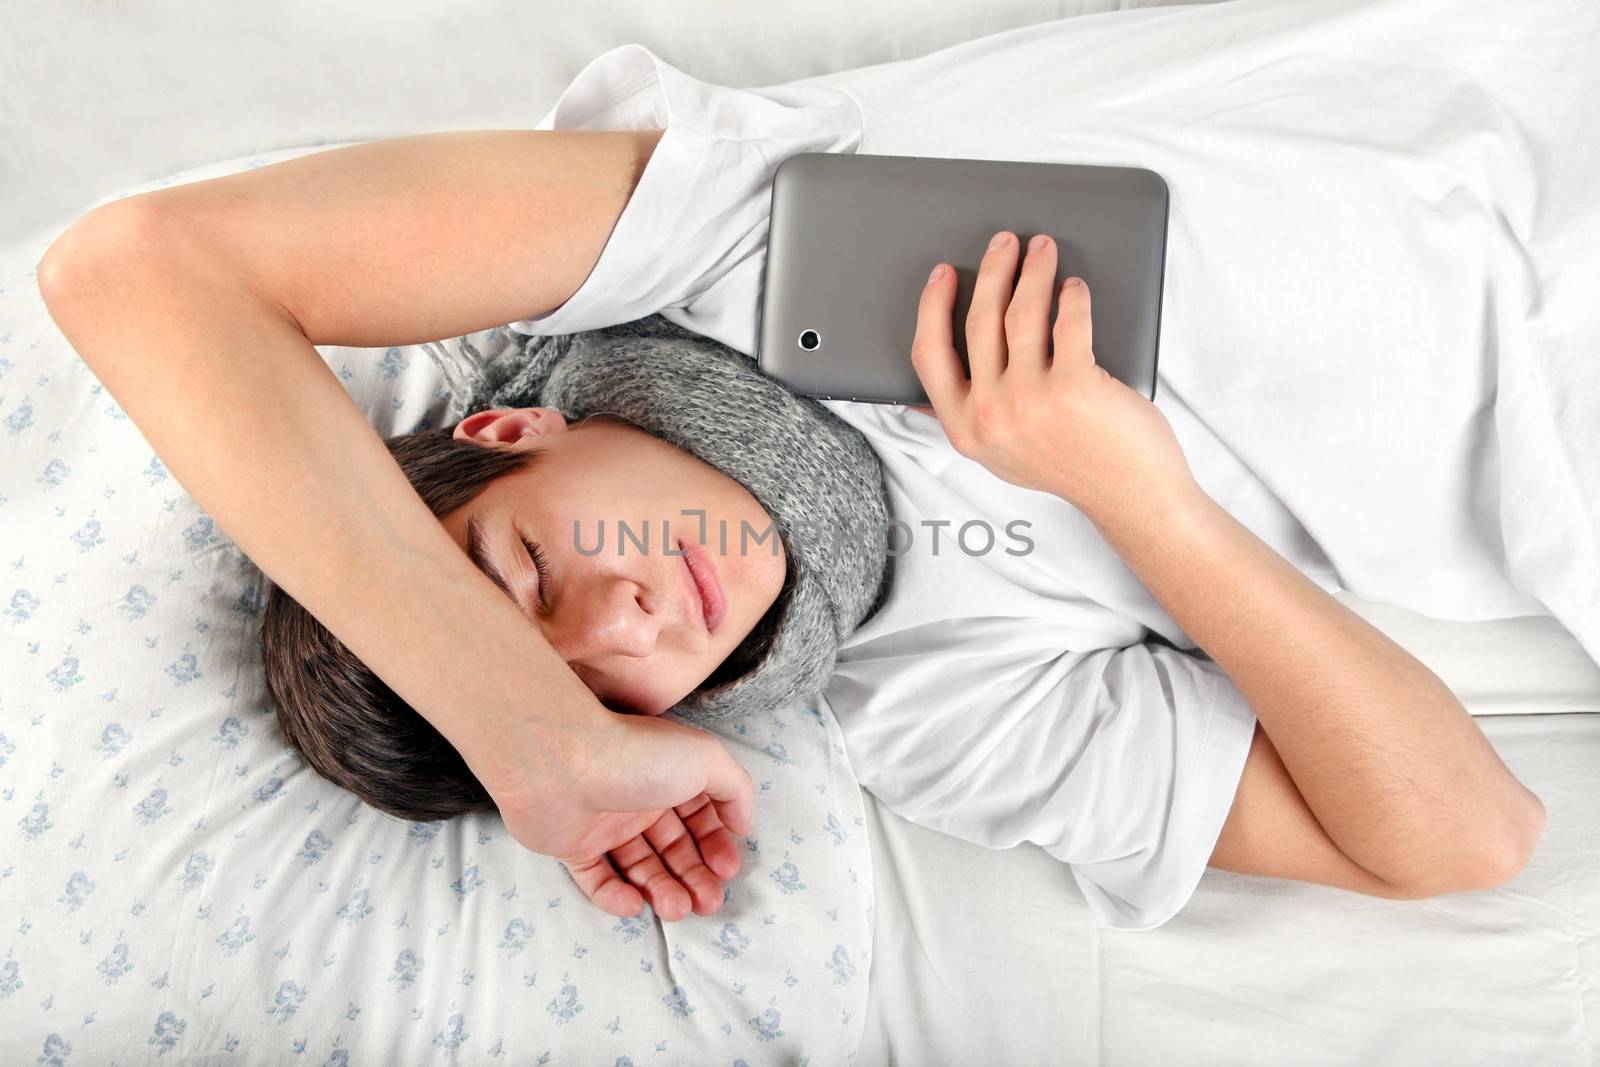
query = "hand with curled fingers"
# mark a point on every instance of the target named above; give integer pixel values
(643, 809)
(1037, 410)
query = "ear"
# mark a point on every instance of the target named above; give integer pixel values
(509, 425)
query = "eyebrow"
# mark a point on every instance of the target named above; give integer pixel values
(475, 552)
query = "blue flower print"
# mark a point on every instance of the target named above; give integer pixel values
(87, 536)
(788, 878)
(116, 964)
(356, 908)
(423, 832)
(468, 881)
(136, 603)
(268, 791)
(10, 978)
(730, 941)
(112, 740)
(251, 603)
(450, 1038)
(20, 419)
(316, 846)
(23, 605)
(201, 535)
(516, 937)
(55, 472)
(631, 927)
(286, 1001)
(407, 966)
(195, 869)
(766, 1025)
(564, 1005)
(185, 669)
(236, 936)
(231, 732)
(56, 1051)
(64, 675)
(166, 1032)
(153, 806)
(79, 886)
(393, 364)
(841, 967)
(35, 822)
(677, 1002)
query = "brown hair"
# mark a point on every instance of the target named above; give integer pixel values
(341, 717)
(346, 722)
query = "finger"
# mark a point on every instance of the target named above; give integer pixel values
(1027, 320)
(718, 847)
(600, 883)
(729, 787)
(933, 351)
(986, 328)
(1073, 334)
(641, 866)
(681, 852)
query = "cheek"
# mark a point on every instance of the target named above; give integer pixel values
(764, 571)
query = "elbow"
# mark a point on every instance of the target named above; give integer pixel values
(1517, 846)
(112, 237)
(1499, 860)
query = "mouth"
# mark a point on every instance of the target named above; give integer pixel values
(707, 589)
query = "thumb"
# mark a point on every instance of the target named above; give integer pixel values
(730, 789)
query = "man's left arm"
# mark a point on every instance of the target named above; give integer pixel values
(1394, 768)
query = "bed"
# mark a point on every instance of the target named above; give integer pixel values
(174, 888)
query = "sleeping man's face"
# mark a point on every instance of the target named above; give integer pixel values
(631, 622)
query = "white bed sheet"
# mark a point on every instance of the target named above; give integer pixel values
(986, 956)
(99, 98)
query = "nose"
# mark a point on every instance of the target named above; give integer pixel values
(610, 617)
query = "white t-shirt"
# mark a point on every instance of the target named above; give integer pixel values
(1003, 694)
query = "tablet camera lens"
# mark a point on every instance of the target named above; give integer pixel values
(810, 340)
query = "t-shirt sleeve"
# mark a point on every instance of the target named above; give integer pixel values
(1122, 763)
(691, 242)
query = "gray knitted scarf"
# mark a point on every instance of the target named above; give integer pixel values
(812, 472)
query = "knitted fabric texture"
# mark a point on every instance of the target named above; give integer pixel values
(814, 474)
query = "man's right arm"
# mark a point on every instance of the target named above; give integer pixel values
(197, 306)
(190, 310)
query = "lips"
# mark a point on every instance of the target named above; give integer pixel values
(708, 590)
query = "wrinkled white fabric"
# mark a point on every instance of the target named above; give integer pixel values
(1378, 352)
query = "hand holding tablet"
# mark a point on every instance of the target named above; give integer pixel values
(1037, 410)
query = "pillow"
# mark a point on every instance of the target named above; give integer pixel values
(177, 881)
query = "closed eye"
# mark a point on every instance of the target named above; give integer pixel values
(540, 566)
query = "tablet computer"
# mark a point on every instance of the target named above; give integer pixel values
(853, 237)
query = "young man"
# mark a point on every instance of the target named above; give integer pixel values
(198, 307)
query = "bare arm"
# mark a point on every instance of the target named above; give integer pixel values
(1397, 773)
(198, 308)
(1395, 770)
